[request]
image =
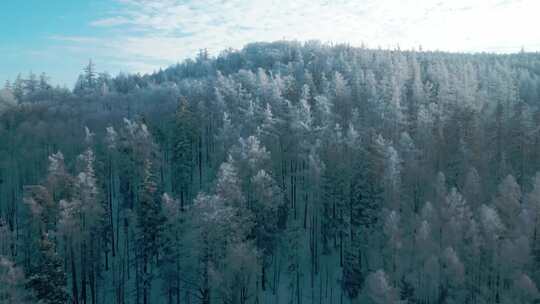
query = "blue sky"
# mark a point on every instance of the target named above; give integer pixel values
(60, 36)
(28, 30)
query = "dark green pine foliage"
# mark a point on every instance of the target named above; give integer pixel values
(334, 185)
(366, 199)
(353, 274)
(149, 213)
(182, 156)
(150, 221)
(406, 291)
(46, 276)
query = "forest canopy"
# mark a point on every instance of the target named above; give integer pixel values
(283, 172)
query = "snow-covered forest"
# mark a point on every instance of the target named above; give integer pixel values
(284, 172)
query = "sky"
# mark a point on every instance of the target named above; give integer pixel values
(140, 36)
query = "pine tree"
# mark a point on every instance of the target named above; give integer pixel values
(367, 187)
(150, 220)
(174, 248)
(364, 209)
(334, 193)
(46, 275)
(472, 189)
(508, 202)
(533, 203)
(183, 145)
(92, 217)
(378, 290)
(90, 75)
(237, 281)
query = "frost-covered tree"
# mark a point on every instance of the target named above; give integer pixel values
(293, 171)
(378, 290)
(508, 202)
(12, 284)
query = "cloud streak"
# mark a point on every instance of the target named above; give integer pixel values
(156, 33)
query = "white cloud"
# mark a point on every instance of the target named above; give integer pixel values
(154, 33)
(112, 21)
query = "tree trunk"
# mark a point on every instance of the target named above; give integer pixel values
(74, 288)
